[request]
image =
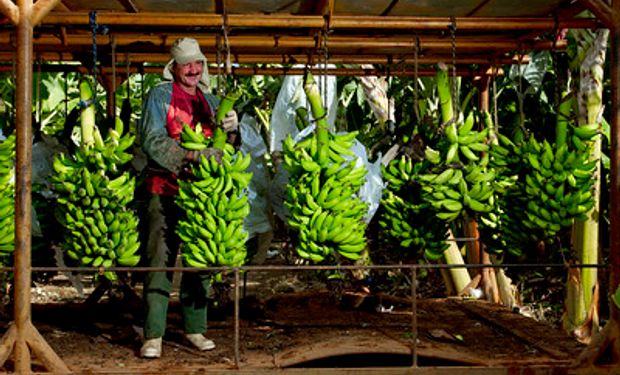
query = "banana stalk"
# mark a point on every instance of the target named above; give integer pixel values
(87, 119)
(460, 276)
(318, 112)
(586, 232)
(445, 95)
(563, 119)
(226, 105)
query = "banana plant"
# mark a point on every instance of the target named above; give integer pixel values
(581, 318)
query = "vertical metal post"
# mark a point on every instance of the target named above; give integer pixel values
(237, 318)
(414, 316)
(23, 219)
(614, 203)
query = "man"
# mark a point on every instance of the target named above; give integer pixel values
(181, 98)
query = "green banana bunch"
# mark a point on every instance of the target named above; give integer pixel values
(215, 202)
(464, 141)
(321, 198)
(458, 178)
(93, 194)
(559, 185)
(552, 185)
(7, 200)
(406, 218)
(505, 154)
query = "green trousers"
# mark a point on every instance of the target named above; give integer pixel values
(162, 248)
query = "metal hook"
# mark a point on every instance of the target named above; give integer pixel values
(225, 31)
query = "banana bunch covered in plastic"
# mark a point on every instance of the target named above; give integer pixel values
(406, 218)
(322, 200)
(7, 200)
(215, 201)
(93, 196)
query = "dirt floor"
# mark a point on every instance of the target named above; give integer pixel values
(291, 322)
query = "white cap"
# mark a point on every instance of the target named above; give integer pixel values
(183, 51)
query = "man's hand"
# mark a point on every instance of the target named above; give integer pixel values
(207, 153)
(230, 122)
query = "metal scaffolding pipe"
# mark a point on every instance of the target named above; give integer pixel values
(23, 180)
(286, 21)
(22, 338)
(275, 71)
(343, 44)
(138, 59)
(614, 154)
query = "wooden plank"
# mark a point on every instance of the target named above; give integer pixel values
(10, 10)
(556, 345)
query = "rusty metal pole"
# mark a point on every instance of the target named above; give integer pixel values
(414, 316)
(237, 360)
(23, 213)
(614, 203)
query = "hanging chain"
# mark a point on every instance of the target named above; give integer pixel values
(13, 97)
(520, 94)
(416, 87)
(127, 72)
(455, 101)
(38, 98)
(66, 100)
(141, 68)
(495, 115)
(218, 63)
(14, 71)
(325, 56)
(113, 47)
(560, 82)
(388, 90)
(93, 26)
(225, 30)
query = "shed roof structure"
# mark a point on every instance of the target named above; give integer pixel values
(301, 31)
(484, 32)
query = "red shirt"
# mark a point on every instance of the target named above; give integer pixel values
(188, 109)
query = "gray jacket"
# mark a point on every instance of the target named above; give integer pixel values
(152, 132)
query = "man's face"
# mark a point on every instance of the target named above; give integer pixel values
(188, 75)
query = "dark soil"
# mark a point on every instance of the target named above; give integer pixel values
(294, 321)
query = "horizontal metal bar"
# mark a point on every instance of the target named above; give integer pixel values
(345, 44)
(336, 22)
(306, 267)
(398, 64)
